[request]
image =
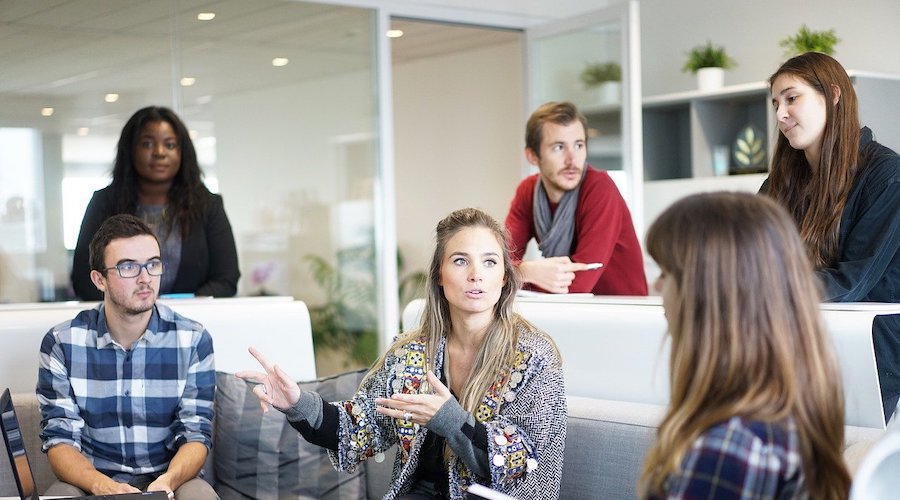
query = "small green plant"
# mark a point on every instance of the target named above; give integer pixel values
(807, 40)
(598, 73)
(708, 56)
(348, 319)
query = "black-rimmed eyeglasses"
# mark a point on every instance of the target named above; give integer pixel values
(133, 269)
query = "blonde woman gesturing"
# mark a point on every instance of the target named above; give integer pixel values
(475, 394)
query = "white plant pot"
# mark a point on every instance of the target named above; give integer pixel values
(710, 78)
(608, 93)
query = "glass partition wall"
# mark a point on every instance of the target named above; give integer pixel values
(281, 101)
(594, 61)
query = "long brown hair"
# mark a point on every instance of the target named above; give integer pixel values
(747, 337)
(499, 347)
(815, 195)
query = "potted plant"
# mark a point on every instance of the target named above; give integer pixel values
(709, 63)
(605, 78)
(807, 40)
(345, 326)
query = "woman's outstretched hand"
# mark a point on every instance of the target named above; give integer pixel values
(274, 387)
(416, 408)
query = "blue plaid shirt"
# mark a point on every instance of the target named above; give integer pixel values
(128, 411)
(741, 459)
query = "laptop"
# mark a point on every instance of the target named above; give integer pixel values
(21, 468)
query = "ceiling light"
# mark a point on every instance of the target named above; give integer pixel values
(206, 16)
(394, 33)
(188, 81)
(46, 111)
(204, 99)
(111, 97)
(83, 131)
(280, 61)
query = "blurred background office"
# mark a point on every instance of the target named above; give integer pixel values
(323, 132)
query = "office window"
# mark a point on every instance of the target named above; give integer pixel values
(279, 97)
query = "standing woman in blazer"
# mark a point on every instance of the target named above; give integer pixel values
(156, 177)
(843, 190)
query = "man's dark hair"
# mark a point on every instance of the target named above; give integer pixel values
(113, 228)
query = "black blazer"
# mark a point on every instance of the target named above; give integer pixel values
(209, 264)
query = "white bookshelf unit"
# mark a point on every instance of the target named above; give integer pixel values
(604, 135)
(680, 131)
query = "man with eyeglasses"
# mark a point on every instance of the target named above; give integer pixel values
(126, 388)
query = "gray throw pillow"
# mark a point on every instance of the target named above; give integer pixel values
(259, 456)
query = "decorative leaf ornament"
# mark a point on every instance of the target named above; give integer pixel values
(750, 149)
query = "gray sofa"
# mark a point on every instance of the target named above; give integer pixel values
(257, 456)
(605, 445)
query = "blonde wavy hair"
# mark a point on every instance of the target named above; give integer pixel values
(747, 337)
(498, 351)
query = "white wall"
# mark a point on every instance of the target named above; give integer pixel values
(750, 32)
(281, 175)
(459, 134)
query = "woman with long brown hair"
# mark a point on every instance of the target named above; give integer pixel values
(843, 190)
(475, 394)
(757, 408)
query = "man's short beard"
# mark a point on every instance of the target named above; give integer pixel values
(136, 312)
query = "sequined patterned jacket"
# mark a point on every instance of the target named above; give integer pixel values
(525, 421)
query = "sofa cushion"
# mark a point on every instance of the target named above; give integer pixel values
(29, 415)
(259, 455)
(605, 446)
(378, 474)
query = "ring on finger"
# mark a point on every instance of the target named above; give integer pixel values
(407, 416)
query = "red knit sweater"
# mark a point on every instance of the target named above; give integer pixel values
(603, 233)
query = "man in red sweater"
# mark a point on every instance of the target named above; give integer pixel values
(575, 213)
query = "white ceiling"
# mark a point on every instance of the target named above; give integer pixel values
(69, 53)
(508, 13)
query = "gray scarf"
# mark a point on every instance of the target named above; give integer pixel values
(555, 232)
